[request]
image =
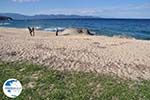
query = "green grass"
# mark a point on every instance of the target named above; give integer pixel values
(40, 83)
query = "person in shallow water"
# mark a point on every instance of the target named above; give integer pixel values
(31, 31)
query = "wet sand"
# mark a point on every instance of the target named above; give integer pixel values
(126, 58)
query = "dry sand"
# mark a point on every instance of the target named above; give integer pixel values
(127, 58)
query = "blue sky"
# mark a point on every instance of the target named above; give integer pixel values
(102, 8)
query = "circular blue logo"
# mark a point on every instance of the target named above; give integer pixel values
(12, 88)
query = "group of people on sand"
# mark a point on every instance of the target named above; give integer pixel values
(32, 31)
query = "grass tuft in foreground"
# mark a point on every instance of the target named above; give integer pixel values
(40, 83)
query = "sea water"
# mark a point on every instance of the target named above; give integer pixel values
(135, 28)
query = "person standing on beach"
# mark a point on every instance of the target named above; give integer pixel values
(31, 30)
(57, 32)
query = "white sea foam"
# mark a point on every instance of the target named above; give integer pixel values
(38, 27)
(61, 28)
(1, 24)
(92, 32)
(50, 29)
(54, 29)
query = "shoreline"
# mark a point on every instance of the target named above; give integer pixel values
(114, 36)
(129, 58)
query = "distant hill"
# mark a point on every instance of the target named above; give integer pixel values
(5, 18)
(42, 16)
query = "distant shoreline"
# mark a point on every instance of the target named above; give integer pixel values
(17, 16)
(85, 19)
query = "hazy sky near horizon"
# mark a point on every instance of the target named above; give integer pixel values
(102, 8)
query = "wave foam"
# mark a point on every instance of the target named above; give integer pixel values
(38, 27)
(1, 24)
(54, 29)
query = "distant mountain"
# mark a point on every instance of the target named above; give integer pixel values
(5, 18)
(42, 16)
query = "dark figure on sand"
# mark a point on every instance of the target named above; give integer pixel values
(31, 31)
(57, 32)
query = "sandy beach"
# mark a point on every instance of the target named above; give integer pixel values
(126, 58)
